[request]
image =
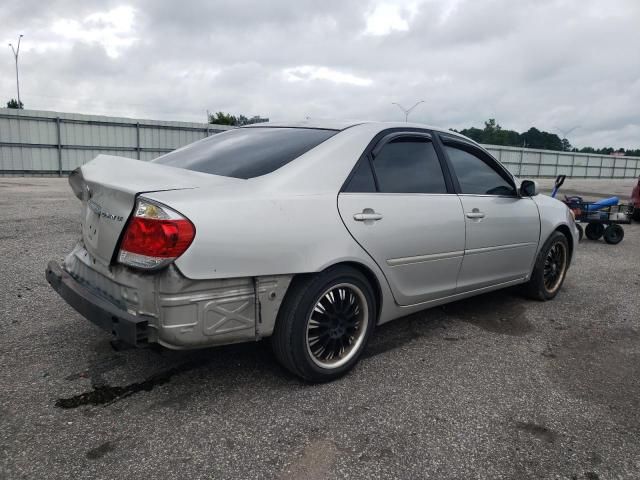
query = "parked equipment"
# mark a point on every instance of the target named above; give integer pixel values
(603, 218)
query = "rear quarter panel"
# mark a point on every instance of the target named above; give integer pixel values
(263, 234)
(255, 235)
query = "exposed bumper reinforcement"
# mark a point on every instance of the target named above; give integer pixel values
(130, 329)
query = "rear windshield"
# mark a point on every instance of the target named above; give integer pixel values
(246, 152)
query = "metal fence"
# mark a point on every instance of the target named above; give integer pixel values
(50, 143)
(525, 162)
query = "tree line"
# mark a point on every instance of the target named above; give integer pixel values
(494, 134)
(222, 118)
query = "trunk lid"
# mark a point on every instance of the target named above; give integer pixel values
(111, 185)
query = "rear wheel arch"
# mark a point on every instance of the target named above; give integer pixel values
(360, 267)
(373, 281)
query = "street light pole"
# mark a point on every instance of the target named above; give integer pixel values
(407, 111)
(16, 52)
(565, 133)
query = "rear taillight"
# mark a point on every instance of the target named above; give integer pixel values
(155, 236)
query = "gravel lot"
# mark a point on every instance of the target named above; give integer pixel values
(491, 387)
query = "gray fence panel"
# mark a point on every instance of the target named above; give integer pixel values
(35, 142)
(546, 163)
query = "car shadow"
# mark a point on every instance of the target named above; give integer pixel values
(252, 365)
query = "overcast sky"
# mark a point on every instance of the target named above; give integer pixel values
(554, 64)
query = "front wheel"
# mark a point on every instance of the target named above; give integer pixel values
(550, 268)
(324, 324)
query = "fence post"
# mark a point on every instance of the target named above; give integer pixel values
(59, 147)
(613, 167)
(600, 172)
(573, 162)
(138, 140)
(521, 160)
(539, 163)
(557, 163)
(626, 166)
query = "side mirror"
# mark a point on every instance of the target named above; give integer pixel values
(528, 188)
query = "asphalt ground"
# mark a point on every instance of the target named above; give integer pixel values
(491, 387)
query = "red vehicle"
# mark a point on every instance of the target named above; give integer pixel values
(635, 201)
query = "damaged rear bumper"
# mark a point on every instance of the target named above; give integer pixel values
(164, 306)
(130, 329)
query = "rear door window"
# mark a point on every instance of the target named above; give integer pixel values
(409, 165)
(246, 152)
(362, 179)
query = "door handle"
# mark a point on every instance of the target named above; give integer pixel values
(366, 215)
(475, 213)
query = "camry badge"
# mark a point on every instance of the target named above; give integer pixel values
(97, 209)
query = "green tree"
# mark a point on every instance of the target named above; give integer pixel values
(534, 138)
(221, 118)
(13, 103)
(494, 134)
(473, 133)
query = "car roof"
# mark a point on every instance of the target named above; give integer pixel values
(344, 124)
(308, 123)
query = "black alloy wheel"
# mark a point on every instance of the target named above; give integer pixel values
(336, 325)
(555, 265)
(550, 268)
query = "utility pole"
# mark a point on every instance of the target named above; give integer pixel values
(407, 111)
(16, 52)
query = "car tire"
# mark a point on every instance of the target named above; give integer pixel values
(636, 214)
(324, 323)
(550, 268)
(613, 234)
(594, 231)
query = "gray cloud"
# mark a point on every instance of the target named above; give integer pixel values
(548, 63)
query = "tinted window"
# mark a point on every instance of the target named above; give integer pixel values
(475, 176)
(362, 179)
(246, 152)
(409, 165)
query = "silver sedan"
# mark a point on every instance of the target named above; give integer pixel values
(308, 233)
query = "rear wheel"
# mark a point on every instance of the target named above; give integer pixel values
(636, 214)
(594, 231)
(550, 268)
(324, 324)
(613, 234)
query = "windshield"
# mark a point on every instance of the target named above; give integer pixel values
(246, 152)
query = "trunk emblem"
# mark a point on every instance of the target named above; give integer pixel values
(97, 209)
